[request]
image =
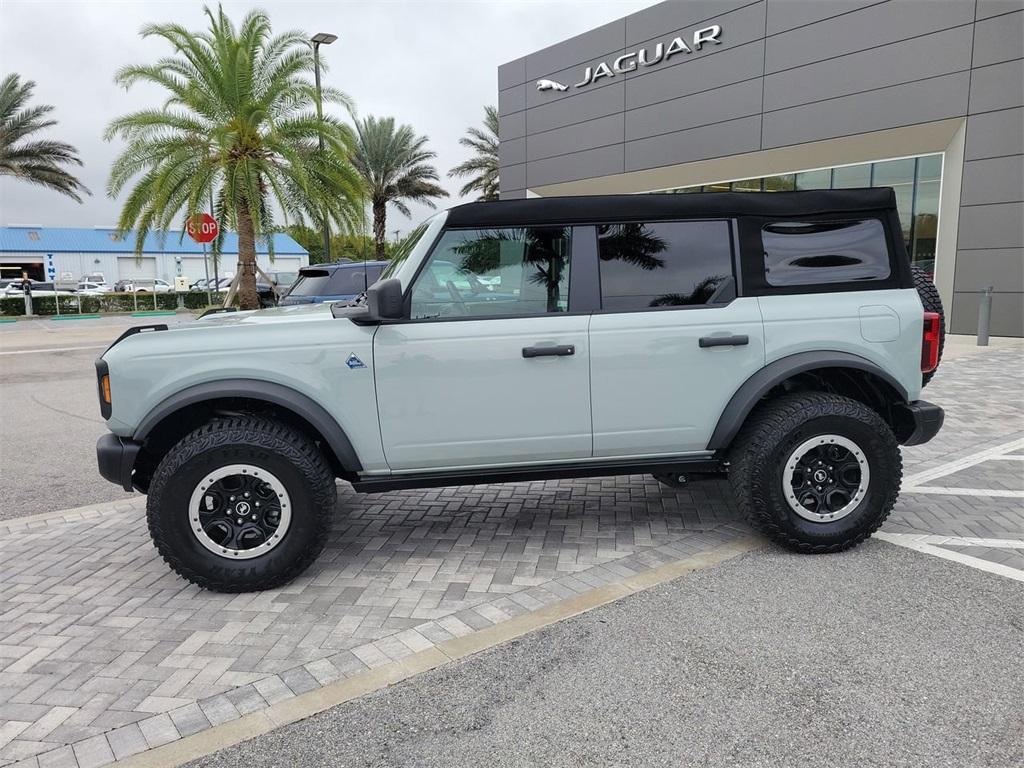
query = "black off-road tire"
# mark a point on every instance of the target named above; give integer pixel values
(278, 448)
(932, 302)
(773, 431)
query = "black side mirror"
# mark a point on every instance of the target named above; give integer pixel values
(384, 300)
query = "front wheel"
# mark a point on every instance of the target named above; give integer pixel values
(241, 504)
(815, 472)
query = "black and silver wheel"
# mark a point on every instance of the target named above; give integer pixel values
(241, 504)
(825, 478)
(816, 472)
(240, 511)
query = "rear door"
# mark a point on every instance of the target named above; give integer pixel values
(672, 341)
(490, 368)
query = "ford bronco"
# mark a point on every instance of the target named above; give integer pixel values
(780, 338)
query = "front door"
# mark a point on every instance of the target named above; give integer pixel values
(489, 369)
(671, 343)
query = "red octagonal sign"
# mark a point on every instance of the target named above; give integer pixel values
(202, 228)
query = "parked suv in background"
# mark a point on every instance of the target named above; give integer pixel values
(337, 281)
(779, 338)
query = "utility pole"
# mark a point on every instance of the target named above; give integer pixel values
(321, 38)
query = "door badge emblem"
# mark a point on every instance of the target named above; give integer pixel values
(354, 362)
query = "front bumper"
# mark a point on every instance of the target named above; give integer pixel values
(116, 458)
(918, 422)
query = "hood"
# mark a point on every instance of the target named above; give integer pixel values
(267, 330)
(295, 313)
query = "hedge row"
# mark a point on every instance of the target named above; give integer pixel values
(42, 304)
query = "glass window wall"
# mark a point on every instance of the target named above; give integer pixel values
(915, 179)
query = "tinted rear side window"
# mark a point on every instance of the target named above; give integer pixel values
(813, 253)
(665, 264)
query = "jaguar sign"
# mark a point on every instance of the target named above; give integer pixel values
(642, 57)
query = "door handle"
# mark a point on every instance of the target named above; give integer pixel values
(723, 341)
(558, 350)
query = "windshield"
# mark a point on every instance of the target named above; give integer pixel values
(403, 263)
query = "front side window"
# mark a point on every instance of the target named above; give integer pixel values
(665, 264)
(490, 272)
(812, 253)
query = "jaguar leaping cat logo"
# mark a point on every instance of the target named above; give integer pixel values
(551, 85)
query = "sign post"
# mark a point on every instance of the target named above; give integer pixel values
(203, 229)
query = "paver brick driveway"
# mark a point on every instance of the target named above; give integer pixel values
(105, 653)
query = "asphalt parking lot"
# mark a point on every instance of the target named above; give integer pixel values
(880, 656)
(49, 414)
(870, 658)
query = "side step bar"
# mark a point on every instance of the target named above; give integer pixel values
(681, 465)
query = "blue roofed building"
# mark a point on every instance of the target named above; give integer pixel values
(68, 254)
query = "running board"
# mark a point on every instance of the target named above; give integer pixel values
(546, 472)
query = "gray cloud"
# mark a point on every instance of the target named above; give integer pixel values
(430, 64)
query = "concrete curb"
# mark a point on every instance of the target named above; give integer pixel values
(42, 519)
(305, 705)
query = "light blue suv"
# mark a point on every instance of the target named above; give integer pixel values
(780, 338)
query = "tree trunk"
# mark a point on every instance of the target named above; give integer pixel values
(379, 223)
(247, 296)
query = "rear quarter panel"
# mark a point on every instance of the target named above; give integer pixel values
(882, 326)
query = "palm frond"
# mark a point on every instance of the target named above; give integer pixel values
(33, 160)
(482, 167)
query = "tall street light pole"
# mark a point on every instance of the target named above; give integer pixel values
(321, 38)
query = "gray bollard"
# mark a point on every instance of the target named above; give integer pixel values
(984, 315)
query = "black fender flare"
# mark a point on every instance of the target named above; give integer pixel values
(301, 405)
(773, 374)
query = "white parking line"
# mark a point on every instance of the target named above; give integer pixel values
(963, 541)
(51, 349)
(1001, 493)
(913, 481)
(910, 541)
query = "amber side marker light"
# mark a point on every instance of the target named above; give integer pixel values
(105, 388)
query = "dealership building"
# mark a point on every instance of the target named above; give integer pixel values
(58, 253)
(926, 97)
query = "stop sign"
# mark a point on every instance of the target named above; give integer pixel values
(202, 228)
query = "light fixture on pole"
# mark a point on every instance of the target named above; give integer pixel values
(321, 38)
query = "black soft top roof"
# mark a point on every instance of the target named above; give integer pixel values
(651, 207)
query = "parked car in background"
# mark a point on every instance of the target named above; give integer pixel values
(93, 277)
(159, 286)
(91, 289)
(143, 285)
(337, 281)
(16, 288)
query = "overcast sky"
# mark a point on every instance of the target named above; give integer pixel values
(430, 64)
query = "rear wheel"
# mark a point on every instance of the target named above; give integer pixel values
(241, 504)
(815, 472)
(932, 302)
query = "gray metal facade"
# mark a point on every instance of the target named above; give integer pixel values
(789, 73)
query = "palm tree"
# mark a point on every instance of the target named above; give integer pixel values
(483, 166)
(36, 161)
(239, 122)
(394, 165)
